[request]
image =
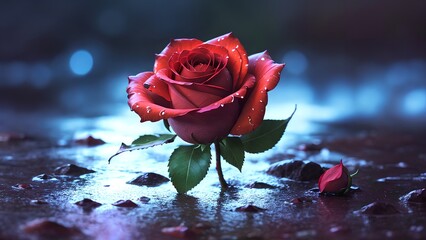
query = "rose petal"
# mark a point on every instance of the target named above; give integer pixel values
(240, 94)
(149, 106)
(186, 65)
(198, 97)
(207, 127)
(176, 45)
(267, 74)
(238, 61)
(153, 84)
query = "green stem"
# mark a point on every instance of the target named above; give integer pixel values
(222, 181)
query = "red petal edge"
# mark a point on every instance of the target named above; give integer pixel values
(267, 74)
(149, 106)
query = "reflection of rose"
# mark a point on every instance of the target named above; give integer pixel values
(206, 90)
(335, 180)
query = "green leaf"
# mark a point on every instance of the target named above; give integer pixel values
(145, 141)
(266, 135)
(232, 150)
(188, 165)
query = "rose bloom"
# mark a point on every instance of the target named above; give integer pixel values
(205, 90)
(335, 180)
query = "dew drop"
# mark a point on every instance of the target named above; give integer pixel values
(261, 101)
(222, 39)
(153, 86)
(250, 121)
(268, 80)
(246, 65)
(237, 94)
(227, 57)
(137, 106)
(265, 88)
(148, 109)
(222, 105)
(252, 109)
(237, 46)
(242, 97)
(162, 113)
(233, 50)
(263, 59)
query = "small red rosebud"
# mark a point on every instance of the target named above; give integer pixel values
(335, 180)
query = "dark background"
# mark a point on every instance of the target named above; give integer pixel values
(360, 61)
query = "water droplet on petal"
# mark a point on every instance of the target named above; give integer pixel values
(227, 57)
(137, 106)
(232, 98)
(162, 113)
(222, 105)
(236, 46)
(153, 86)
(263, 59)
(233, 50)
(252, 109)
(237, 94)
(148, 109)
(246, 65)
(261, 101)
(250, 121)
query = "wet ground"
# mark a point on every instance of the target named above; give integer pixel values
(38, 202)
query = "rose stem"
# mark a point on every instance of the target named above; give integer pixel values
(223, 183)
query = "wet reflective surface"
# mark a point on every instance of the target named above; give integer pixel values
(390, 165)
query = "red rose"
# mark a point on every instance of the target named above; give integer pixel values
(335, 180)
(206, 90)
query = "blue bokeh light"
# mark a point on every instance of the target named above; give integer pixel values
(414, 103)
(81, 62)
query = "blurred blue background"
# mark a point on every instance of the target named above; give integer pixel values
(361, 62)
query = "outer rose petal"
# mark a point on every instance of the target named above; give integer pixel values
(206, 127)
(149, 106)
(236, 96)
(153, 84)
(176, 45)
(214, 121)
(267, 74)
(238, 61)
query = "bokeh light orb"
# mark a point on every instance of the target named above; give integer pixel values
(81, 62)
